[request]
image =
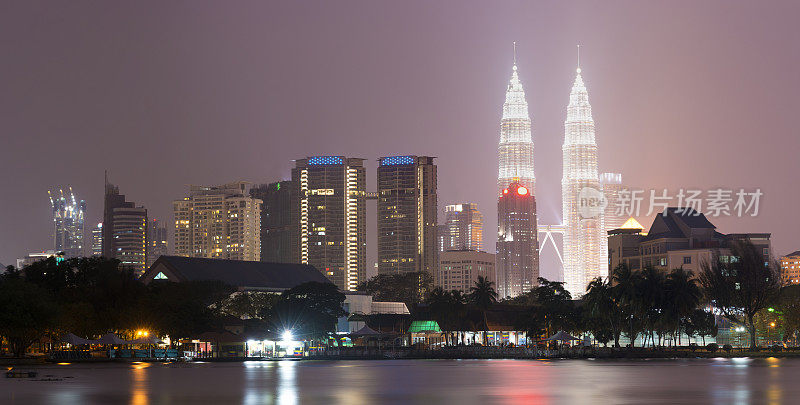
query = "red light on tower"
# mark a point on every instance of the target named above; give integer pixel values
(505, 191)
(522, 191)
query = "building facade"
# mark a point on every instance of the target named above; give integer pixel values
(219, 222)
(463, 227)
(585, 244)
(614, 218)
(460, 269)
(157, 244)
(97, 240)
(407, 215)
(680, 239)
(280, 223)
(331, 199)
(517, 241)
(790, 268)
(515, 151)
(124, 230)
(68, 223)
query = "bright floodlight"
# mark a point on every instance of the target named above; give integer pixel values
(287, 335)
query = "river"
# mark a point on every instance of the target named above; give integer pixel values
(718, 381)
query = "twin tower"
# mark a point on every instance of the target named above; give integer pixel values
(584, 244)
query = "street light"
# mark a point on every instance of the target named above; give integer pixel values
(287, 336)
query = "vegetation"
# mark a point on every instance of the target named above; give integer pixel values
(409, 288)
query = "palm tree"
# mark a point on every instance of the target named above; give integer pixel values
(483, 294)
(626, 293)
(684, 296)
(602, 309)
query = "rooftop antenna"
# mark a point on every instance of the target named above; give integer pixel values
(579, 59)
(515, 53)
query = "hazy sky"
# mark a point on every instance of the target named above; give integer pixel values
(167, 94)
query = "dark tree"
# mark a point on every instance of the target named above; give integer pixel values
(483, 294)
(27, 311)
(409, 288)
(310, 311)
(601, 311)
(740, 285)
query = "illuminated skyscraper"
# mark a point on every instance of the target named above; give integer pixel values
(585, 242)
(220, 222)
(97, 240)
(463, 227)
(124, 230)
(331, 197)
(515, 152)
(407, 211)
(517, 241)
(68, 222)
(612, 185)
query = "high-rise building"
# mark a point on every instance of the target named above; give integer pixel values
(517, 257)
(124, 230)
(97, 240)
(442, 237)
(585, 242)
(459, 269)
(464, 227)
(790, 268)
(157, 245)
(68, 223)
(407, 211)
(219, 222)
(331, 198)
(612, 185)
(517, 241)
(280, 225)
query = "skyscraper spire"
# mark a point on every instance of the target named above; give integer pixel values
(585, 244)
(515, 151)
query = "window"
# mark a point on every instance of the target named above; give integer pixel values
(662, 261)
(687, 259)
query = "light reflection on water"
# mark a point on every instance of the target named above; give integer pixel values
(718, 381)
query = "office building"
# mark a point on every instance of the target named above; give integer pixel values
(68, 223)
(157, 245)
(97, 240)
(459, 269)
(614, 218)
(790, 268)
(124, 230)
(331, 198)
(463, 227)
(280, 222)
(517, 241)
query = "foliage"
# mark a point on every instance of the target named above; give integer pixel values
(310, 311)
(482, 294)
(27, 311)
(249, 304)
(712, 347)
(740, 285)
(410, 288)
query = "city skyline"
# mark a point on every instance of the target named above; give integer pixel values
(680, 94)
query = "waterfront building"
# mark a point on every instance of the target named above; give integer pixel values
(219, 222)
(280, 222)
(97, 240)
(517, 258)
(460, 269)
(463, 227)
(678, 239)
(407, 215)
(124, 230)
(68, 223)
(331, 198)
(157, 245)
(585, 244)
(612, 185)
(790, 268)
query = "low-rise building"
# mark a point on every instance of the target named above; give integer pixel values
(790, 268)
(459, 269)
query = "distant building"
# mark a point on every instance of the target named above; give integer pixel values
(407, 211)
(517, 241)
(790, 268)
(68, 224)
(459, 269)
(157, 245)
(678, 239)
(331, 198)
(219, 222)
(242, 275)
(97, 240)
(612, 185)
(464, 227)
(35, 257)
(442, 237)
(280, 222)
(124, 230)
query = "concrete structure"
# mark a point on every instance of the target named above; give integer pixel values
(124, 230)
(220, 222)
(459, 269)
(358, 305)
(157, 245)
(790, 268)
(585, 243)
(407, 215)
(678, 239)
(97, 240)
(331, 198)
(463, 227)
(280, 222)
(68, 224)
(243, 275)
(517, 241)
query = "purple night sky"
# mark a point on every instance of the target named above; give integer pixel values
(167, 94)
